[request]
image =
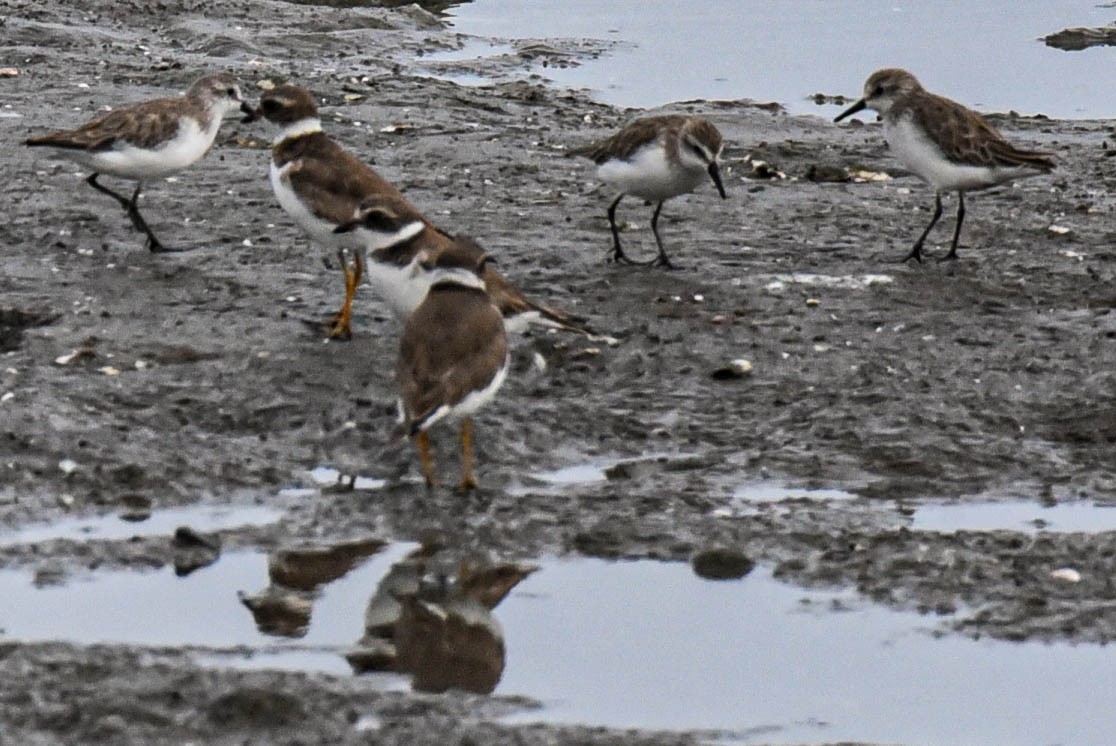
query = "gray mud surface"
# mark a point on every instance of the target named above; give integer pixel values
(990, 378)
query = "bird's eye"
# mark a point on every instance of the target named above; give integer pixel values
(427, 265)
(878, 90)
(231, 92)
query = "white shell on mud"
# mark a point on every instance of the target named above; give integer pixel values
(1067, 574)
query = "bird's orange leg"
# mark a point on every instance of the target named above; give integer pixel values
(341, 324)
(422, 440)
(468, 479)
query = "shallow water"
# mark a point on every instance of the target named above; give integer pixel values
(643, 644)
(1022, 515)
(985, 54)
(162, 522)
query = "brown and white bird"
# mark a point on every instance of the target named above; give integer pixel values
(319, 183)
(453, 353)
(656, 158)
(393, 233)
(149, 140)
(949, 146)
(344, 204)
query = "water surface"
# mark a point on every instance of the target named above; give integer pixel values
(983, 53)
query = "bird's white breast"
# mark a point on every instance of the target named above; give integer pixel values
(649, 174)
(402, 289)
(914, 149)
(320, 230)
(189, 143)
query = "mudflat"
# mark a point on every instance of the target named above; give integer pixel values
(202, 377)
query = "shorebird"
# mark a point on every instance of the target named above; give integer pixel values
(949, 146)
(392, 233)
(149, 140)
(344, 204)
(656, 158)
(453, 353)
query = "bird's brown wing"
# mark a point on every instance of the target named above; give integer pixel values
(628, 140)
(332, 191)
(144, 125)
(511, 302)
(964, 136)
(454, 343)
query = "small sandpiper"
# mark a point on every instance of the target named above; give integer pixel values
(656, 158)
(149, 140)
(453, 353)
(952, 148)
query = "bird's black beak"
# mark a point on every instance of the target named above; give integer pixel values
(250, 114)
(858, 106)
(348, 227)
(715, 174)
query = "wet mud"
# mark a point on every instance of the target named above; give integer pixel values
(169, 381)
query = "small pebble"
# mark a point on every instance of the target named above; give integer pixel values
(1067, 574)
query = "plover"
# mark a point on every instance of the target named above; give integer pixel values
(393, 233)
(952, 148)
(149, 140)
(319, 183)
(453, 353)
(656, 158)
(344, 204)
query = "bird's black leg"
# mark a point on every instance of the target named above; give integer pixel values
(153, 244)
(957, 230)
(92, 181)
(618, 254)
(916, 251)
(662, 260)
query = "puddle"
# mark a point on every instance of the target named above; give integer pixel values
(201, 610)
(577, 474)
(767, 492)
(822, 47)
(472, 49)
(647, 644)
(445, 65)
(630, 644)
(775, 283)
(326, 476)
(1022, 515)
(592, 472)
(204, 518)
(748, 498)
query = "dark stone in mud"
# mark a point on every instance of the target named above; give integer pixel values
(825, 173)
(721, 563)
(13, 322)
(253, 707)
(1076, 39)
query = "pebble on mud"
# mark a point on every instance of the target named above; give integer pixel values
(1068, 574)
(736, 369)
(721, 563)
(823, 173)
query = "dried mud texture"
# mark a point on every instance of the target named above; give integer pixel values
(194, 376)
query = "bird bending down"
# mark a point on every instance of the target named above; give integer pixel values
(453, 353)
(656, 158)
(952, 148)
(392, 233)
(149, 140)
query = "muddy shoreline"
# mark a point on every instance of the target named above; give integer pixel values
(987, 379)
